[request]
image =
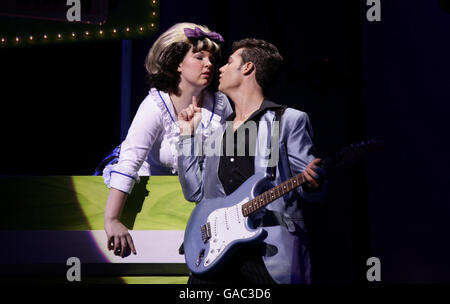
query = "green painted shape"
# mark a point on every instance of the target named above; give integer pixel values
(155, 280)
(78, 203)
(99, 280)
(40, 203)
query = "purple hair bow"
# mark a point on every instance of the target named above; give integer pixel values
(197, 33)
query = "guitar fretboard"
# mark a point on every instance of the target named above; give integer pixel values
(347, 154)
(270, 195)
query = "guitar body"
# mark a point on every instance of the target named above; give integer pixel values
(217, 226)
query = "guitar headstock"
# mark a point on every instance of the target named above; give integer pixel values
(352, 153)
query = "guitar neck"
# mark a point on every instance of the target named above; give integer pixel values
(348, 154)
(269, 196)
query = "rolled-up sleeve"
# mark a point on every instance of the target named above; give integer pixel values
(135, 148)
(122, 181)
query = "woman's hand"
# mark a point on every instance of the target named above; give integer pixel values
(118, 238)
(189, 118)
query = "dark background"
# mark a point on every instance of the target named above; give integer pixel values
(356, 79)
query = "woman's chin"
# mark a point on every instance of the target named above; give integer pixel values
(205, 83)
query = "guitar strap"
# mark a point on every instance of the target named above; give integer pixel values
(278, 114)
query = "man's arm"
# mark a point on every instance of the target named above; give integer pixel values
(300, 150)
(189, 168)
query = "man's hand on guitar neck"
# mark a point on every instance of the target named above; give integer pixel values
(314, 175)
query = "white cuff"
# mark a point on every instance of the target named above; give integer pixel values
(121, 181)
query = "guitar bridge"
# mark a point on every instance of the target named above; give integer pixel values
(200, 257)
(206, 232)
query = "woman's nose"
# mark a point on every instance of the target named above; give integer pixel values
(208, 62)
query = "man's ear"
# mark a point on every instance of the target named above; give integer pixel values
(248, 68)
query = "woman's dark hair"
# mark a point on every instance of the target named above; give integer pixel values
(169, 50)
(168, 78)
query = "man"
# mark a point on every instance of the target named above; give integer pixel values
(282, 257)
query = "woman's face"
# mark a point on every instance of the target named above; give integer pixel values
(197, 69)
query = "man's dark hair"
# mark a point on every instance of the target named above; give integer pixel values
(264, 56)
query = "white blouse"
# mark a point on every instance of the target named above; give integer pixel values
(150, 145)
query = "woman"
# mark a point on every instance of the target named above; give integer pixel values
(181, 67)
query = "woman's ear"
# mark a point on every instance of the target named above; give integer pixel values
(179, 67)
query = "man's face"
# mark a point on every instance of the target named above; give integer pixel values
(230, 73)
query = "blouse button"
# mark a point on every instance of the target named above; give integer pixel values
(232, 159)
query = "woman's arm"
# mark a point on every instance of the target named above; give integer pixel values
(188, 160)
(190, 163)
(141, 136)
(118, 237)
(134, 150)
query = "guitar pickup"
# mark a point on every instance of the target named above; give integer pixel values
(206, 232)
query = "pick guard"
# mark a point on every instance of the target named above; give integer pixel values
(227, 226)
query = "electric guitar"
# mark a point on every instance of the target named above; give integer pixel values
(218, 226)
